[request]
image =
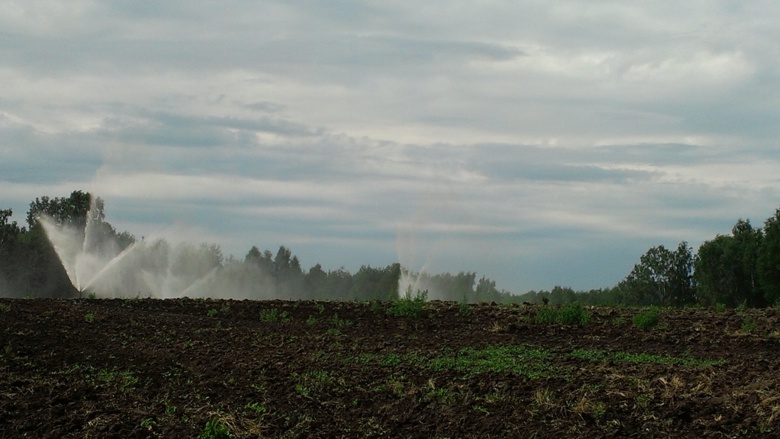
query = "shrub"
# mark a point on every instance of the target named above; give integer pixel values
(646, 318)
(748, 325)
(574, 314)
(409, 306)
(547, 315)
(571, 314)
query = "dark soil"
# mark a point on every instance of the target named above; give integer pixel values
(190, 368)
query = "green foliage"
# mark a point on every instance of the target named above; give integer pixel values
(409, 306)
(547, 315)
(5, 307)
(769, 259)
(662, 277)
(726, 268)
(215, 429)
(122, 379)
(337, 321)
(520, 359)
(748, 325)
(256, 407)
(272, 315)
(597, 355)
(647, 318)
(617, 321)
(571, 314)
(464, 308)
(212, 312)
(574, 314)
(89, 318)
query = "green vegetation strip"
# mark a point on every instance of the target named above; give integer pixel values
(520, 359)
(524, 360)
(596, 355)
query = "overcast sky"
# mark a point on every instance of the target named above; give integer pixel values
(537, 143)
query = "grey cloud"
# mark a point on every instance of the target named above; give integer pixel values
(265, 106)
(159, 128)
(518, 162)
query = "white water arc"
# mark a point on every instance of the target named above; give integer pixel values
(111, 264)
(85, 258)
(66, 245)
(200, 283)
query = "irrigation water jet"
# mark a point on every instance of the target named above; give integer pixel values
(112, 263)
(94, 260)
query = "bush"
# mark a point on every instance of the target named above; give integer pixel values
(574, 314)
(646, 318)
(547, 315)
(571, 314)
(409, 306)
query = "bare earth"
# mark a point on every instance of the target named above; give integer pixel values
(189, 368)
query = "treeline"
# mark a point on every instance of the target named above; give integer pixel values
(30, 266)
(738, 269)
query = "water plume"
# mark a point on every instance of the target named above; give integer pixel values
(95, 262)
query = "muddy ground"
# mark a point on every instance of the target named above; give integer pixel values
(210, 369)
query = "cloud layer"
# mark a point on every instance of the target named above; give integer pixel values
(538, 144)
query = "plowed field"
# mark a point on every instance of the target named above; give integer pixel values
(210, 369)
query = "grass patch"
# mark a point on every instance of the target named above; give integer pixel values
(571, 314)
(409, 305)
(647, 318)
(748, 325)
(273, 315)
(215, 429)
(337, 321)
(520, 359)
(597, 355)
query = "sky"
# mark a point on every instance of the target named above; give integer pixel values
(535, 143)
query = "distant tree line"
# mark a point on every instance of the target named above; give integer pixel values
(29, 265)
(740, 268)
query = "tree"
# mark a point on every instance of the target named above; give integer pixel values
(71, 210)
(714, 274)
(726, 268)
(662, 277)
(769, 259)
(315, 282)
(9, 232)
